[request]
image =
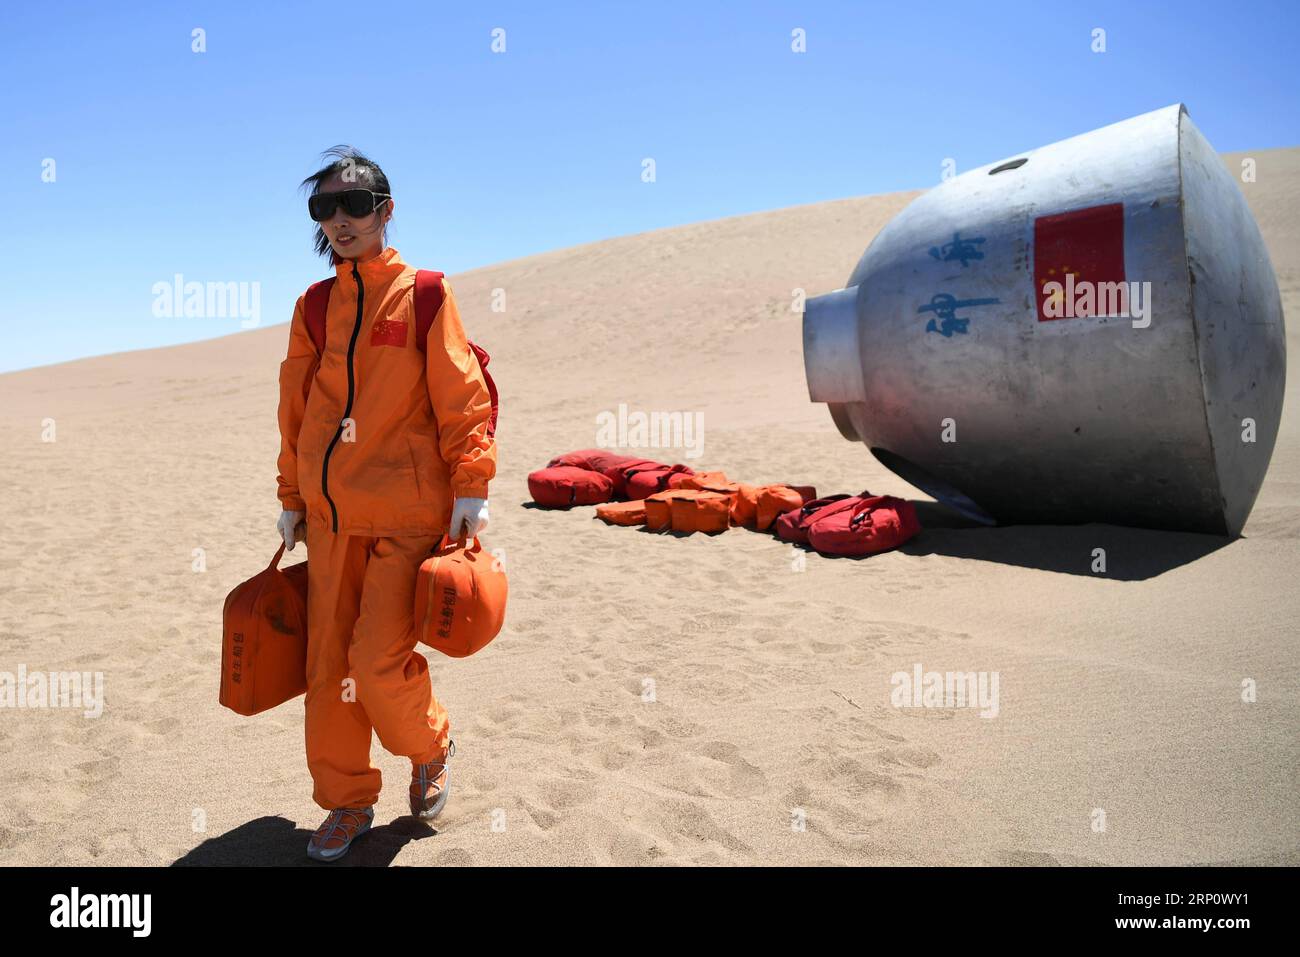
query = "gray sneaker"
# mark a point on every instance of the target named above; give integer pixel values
(343, 826)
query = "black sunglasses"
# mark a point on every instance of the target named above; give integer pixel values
(355, 202)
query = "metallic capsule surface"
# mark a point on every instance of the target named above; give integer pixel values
(1088, 332)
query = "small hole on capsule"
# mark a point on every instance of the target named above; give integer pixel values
(1010, 164)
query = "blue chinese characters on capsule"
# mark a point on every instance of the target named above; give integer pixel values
(945, 306)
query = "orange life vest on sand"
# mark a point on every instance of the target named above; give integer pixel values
(673, 497)
(708, 512)
(701, 480)
(773, 501)
(688, 510)
(264, 639)
(460, 598)
(622, 513)
(658, 508)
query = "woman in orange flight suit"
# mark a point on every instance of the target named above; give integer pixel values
(384, 447)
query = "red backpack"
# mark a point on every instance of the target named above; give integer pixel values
(793, 525)
(869, 525)
(428, 300)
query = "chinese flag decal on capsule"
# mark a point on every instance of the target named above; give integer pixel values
(1083, 246)
(388, 332)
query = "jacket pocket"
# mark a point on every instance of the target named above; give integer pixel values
(431, 479)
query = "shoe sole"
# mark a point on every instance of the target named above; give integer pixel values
(334, 853)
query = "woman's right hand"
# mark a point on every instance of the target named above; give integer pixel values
(292, 527)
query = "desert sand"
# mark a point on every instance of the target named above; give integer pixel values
(770, 737)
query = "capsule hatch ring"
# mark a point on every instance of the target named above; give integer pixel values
(940, 490)
(843, 422)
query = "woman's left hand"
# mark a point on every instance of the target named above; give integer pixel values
(468, 515)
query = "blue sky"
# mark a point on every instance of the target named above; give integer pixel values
(170, 161)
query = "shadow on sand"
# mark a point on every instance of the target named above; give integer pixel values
(276, 842)
(1131, 554)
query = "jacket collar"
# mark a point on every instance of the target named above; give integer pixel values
(385, 266)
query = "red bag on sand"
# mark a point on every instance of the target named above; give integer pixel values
(793, 525)
(874, 524)
(644, 482)
(618, 473)
(593, 460)
(565, 486)
(775, 500)
(705, 512)
(264, 639)
(621, 513)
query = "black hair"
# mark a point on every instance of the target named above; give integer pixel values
(366, 171)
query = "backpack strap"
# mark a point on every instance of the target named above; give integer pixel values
(318, 299)
(429, 296)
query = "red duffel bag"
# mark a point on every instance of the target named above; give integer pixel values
(565, 486)
(793, 525)
(644, 481)
(874, 524)
(618, 473)
(593, 460)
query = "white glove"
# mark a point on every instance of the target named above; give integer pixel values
(469, 512)
(292, 527)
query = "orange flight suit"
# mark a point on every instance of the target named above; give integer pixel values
(377, 438)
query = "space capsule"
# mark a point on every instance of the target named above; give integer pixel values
(1087, 332)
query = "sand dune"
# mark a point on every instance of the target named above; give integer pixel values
(771, 686)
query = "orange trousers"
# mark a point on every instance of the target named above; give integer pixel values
(363, 672)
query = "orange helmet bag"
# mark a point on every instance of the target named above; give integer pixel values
(460, 598)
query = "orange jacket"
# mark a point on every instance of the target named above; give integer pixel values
(377, 437)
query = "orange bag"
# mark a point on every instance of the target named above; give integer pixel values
(775, 500)
(700, 480)
(460, 598)
(702, 512)
(744, 506)
(264, 639)
(658, 510)
(622, 513)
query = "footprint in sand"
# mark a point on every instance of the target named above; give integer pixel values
(455, 857)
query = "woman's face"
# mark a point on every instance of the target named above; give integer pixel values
(355, 238)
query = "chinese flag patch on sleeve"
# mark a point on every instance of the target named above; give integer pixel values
(388, 332)
(1078, 250)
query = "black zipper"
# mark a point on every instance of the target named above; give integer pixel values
(347, 411)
